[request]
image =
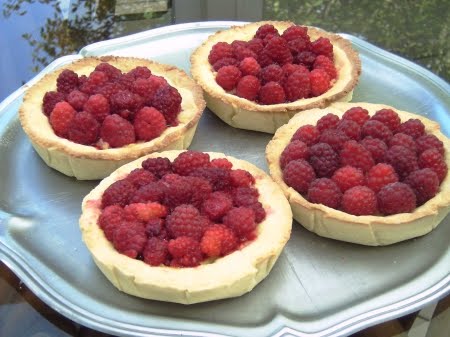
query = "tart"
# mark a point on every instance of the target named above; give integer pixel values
(257, 112)
(203, 272)
(388, 184)
(90, 156)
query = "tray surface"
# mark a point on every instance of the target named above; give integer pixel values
(318, 287)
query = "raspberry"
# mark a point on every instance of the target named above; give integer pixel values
(241, 178)
(271, 93)
(290, 68)
(218, 51)
(425, 184)
(217, 205)
(308, 134)
(178, 190)
(433, 159)
(145, 211)
(156, 252)
(95, 80)
(299, 174)
(260, 213)
(168, 101)
(98, 106)
(334, 138)
(185, 220)
(305, 58)
(350, 128)
(150, 192)
(218, 240)
(83, 129)
(126, 80)
(264, 58)
(227, 77)
(320, 82)
(279, 51)
(265, 30)
(140, 177)
(323, 159)
(118, 193)
(403, 140)
(299, 45)
(293, 151)
(360, 200)
(226, 61)
(77, 99)
(129, 239)
(221, 163)
(271, 73)
(412, 127)
(155, 227)
(248, 87)
(50, 99)
(158, 166)
(245, 196)
(255, 45)
(186, 252)
(241, 220)
(388, 117)
(109, 89)
(61, 118)
(149, 123)
(219, 178)
(110, 218)
(188, 161)
(329, 121)
(376, 129)
(347, 177)
(117, 131)
(242, 52)
(140, 72)
(357, 114)
(147, 88)
(201, 190)
(323, 62)
(376, 147)
(426, 142)
(381, 175)
(402, 159)
(67, 81)
(325, 191)
(125, 100)
(322, 46)
(297, 85)
(295, 32)
(354, 154)
(396, 198)
(109, 70)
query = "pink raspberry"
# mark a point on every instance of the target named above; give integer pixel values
(402, 159)
(425, 184)
(360, 200)
(388, 117)
(98, 106)
(248, 87)
(249, 66)
(323, 159)
(156, 252)
(320, 82)
(118, 193)
(396, 198)
(167, 100)
(381, 175)
(347, 177)
(61, 118)
(221, 163)
(429, 141)
(308, 134)
(322, 46)
(433, 159)
(354, 154)
(186, 252)
(220, 50)
(297, 85)
(228, 77)
(376, 147)
(77, 99)
(117, 131)
(185, 220)
(357, 114)
(144, 212)
(403, 140)
(50, 99)
(188, 161)
(241, 220)
(83, 129)
(158, 166)
(149, 123)
(293, 151)
(129, 239)
(218, 240)
(67, 81)
(272, 93)
(299, 174)
(325, 191)
(217, 205)
(271, 73)
(412, 127)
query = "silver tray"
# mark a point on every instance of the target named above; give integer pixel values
(318, 287)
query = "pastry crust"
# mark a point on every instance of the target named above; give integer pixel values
(366, 230)
(229, 276)
(86, 162)
(241, 113)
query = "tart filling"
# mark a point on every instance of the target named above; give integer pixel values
(363, 173)
(257, 76)
(186, 227)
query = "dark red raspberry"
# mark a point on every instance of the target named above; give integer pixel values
(218, 240)
(155, 227)
(264, 30)
(381, 175)
(354, 154)
(185, 220)
(117, 132)
(256, 45)
(322, 46)
(323, 62)
(376, 129)
(404, 140)
(109, 89)
(140, 177)
(248, 87)
(150, 192)
(77, 99)
(334, 138)
(249, 66)
(350, 128)
(376, 147)
(158, 166)
(388, 117)
(220, 50)
(188, 161)
(360, 200)
(329, 121)
(271, 73)
(67, 81)
(109, 70)
(320, 82)
(111, 218)
(226, 61)
(357, 114)
(95, 80)
(295, 32)
(308, 134)
(241, 220)
(221, 163)
(305, 58)
(297, 85)
(228, 77)
(242, 52)
(433, 159)
(241, 178)
(217, 205)
(299, 45)
(299, 174)
(279, 51)
(98, 106)
(140, 72)
(125, 100)
(260, 213)
(325, 191)
(156, 252)
(186, 252)
(126, 80)
(412, 127)
(83, 129)
(402, 159)
(219, 178)
(50, 99)
(323, 159)
(293, 151)
(118, 193)
(149, 123)
(61, 118)
(427, 141)
(425, 184)
(272, 93)
(177, 190)
(396, 198)
(245, 196)
(347, 177)
(201, 190)
(129, 239)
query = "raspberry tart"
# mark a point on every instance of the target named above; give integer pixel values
(186, 226)
(257, 76)
(363, 173)
(96, 114)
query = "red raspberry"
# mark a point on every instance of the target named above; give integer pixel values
(388, 117)
(242, 52)
(77, 99)
(188, 161)
(50, 99)
(61, 118)
(325, 191)
(290, 68)
(272, 93)
(279, 51)
(109, 89)
(117, 132)
(201, 190)
(354, 154)
(294, 32)
(323, 62)
(433, 159)
(264, 58)
(322, 46)
(299, 174)
(185, 220)
(299, 45)
(403, 140)
(221, 163)
(260, 213)
(264, 30)
(217, 205)
(334, 138)
(347, 177)
(248, 87)
(150, 192)
(320, 82)
(140, 72)
(145, 211)
(149, 123)
(228, 77)
(245, 196)
(98, 106)
(218, 240)
(241, 178)
(111, 218)
(357, 114)
(218, 51)
(426, 142)
(126, 80)
(143, 87)
(186, 252)
(118, 193)
(140, 177)
(158, 166)
(109, 70)
(297, 85)
(360, 200)
(271, 73)
(381, 175)
(376, 147)
(83, 129)
(156, 252)
(402, 159)
(219, 178)
(376, 129)
(350, 128)
(323, 159)
(293, 151)
(267, 39)
(425, 184)
(129, 239)
(155, 227)
(125, 100)
(226, 61)
(255, 45)
(241, 220)
(308, 134)
(396, 198)
(177, 190)
(412, 127)
(67, 81)
(329, 121)
(95, 80)
(305, 58)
